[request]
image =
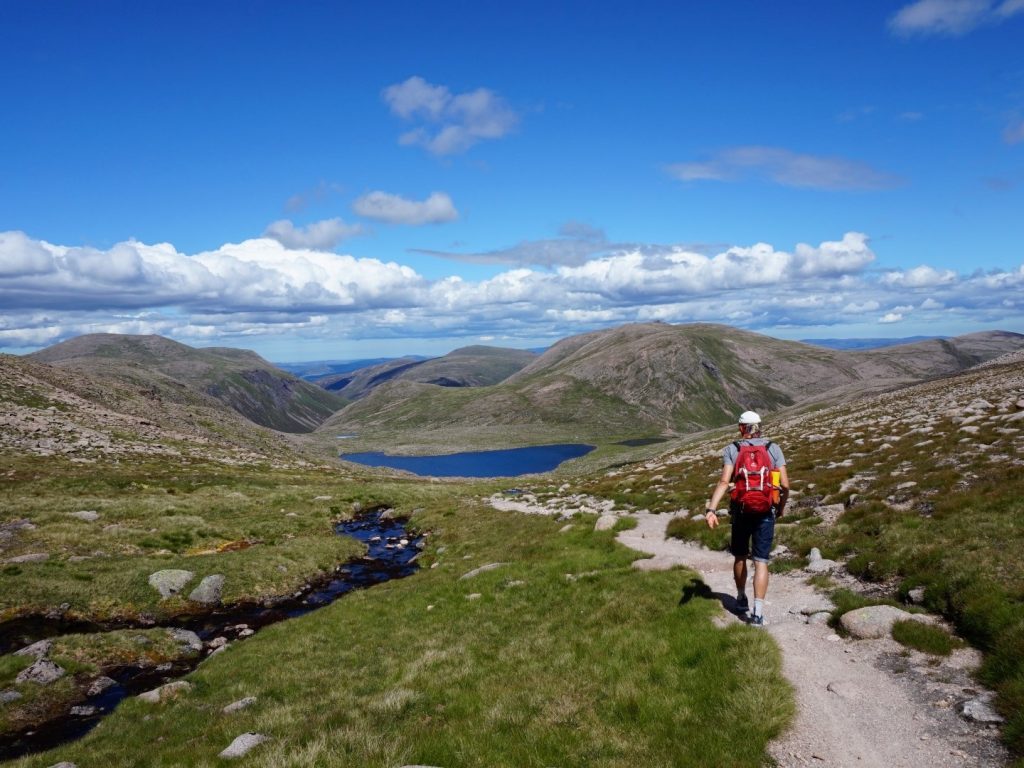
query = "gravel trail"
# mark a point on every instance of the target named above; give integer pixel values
(862, 703)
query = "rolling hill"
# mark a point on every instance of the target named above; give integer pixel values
(239, 379)
(647, 378)
(474, 366)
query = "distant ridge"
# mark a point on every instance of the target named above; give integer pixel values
(237, 378)
(867, 343)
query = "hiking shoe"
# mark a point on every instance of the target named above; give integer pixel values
(757, 621)
(742, 605)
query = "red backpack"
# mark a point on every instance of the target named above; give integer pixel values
(752, 477)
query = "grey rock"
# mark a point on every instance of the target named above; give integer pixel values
(565, 528)
(243, 744)
(42, 672)
(218, 642)
(606, 522)
(357, 507)
(100, 684)
(916, 595)
(86, 515)
(170, 581)
(187, 638)
(209, 591)
(165, 692)
(6, 697)
(40, 649)
(814, 556)
(481, 569)
(84, 710)
(64, 764)
(238, 706)
(873, 621)
(830, 513)
(821, 617)
(35, 557)
(821, 565)
(980, 710)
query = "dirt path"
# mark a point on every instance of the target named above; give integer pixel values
(862, 703)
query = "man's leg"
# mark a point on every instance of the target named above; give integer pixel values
(739, 572)
(760, 580)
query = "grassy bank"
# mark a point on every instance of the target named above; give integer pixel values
(564, 655)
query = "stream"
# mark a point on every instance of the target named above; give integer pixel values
(386, 558)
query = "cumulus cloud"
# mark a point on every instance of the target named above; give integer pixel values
(261, 289)
(951, 17)
(394, 209)
(448, 123)
(785, 167)
(325, 234)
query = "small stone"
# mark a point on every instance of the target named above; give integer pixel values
(84, 710)
(209, 591)
(814, 556)
(819, 618)
(246, 633)
(100, 684)
(821, 565)
(474, 596)
(606, 522)
(40, 649)
(218, 642)
(565, 528)
(980, 709)
(481, 569)
(916, 595)
(64, 764)
(166, 692)
(86, 515)
(170, 581)
(243, 744)
(6, 697)
(238, 706)
(43, 672)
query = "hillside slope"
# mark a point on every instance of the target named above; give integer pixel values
(240, 379)
(474, 366)
(662, 378)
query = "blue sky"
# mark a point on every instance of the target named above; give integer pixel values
(339, 180)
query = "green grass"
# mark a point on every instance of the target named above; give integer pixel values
(925, 638)
(612, 668)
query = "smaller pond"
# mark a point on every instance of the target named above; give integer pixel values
(502, 463)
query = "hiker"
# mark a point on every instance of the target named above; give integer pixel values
(753, 506)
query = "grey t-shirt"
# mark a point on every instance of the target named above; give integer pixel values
(730, 452)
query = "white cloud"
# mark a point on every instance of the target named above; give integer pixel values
(448, 124)
(324, 234)
(261, 289)
(394, 209)
(951, 17)
(785, 167)
(919, 277)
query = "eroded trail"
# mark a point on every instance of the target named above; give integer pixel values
(862, 703)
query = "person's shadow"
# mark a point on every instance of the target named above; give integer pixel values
(697, 588)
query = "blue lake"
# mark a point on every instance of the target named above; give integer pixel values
(504, 463)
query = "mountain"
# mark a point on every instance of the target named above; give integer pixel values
(239, 379)
(474, 366)
(322, 369)
(661, 378)
(866, 343)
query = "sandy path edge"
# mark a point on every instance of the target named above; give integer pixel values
(852, 708)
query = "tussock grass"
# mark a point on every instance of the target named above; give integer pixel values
(925, 638)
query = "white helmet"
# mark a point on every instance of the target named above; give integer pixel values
(749, 417)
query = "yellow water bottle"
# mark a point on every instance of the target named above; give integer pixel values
(776, 486)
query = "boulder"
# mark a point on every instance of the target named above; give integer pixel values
(86, 515)
(873, 621)
(170, 581)
(40, 649)
(43, 672)
(243, 744)
(209, 591)
(165, 692)
(100, 684)
(238, 706)
(606, 522)
(187, 638)
(481, 569)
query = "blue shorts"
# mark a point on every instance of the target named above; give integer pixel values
(747, 528)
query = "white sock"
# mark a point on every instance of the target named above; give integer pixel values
(758, 606)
